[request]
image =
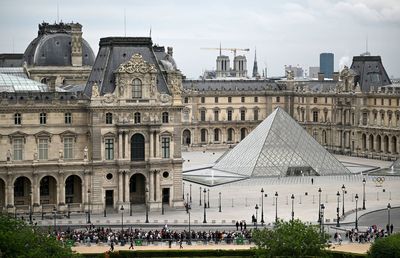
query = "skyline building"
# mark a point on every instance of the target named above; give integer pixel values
(326, 64)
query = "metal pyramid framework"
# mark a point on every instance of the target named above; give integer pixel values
(396, 164)
(279, 146)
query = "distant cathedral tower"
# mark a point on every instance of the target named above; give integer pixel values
(255, 66)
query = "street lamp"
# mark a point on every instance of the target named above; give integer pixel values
(147, 205)
(356, 198)
(30, 207)
(162, 204)
(55, 220)
(292, 197)
(200, 195)
(262, 206)
(319, 204)
(321, 221)
(276, 207)
(190, 188)
(89, 207)
(337, 210)
(220, 203)
(69, 211)
(256, 215)
(343, 192)
(183, 191)
(122, 218)
(388, 209)
(205, 216)
(190, 234)
(364, 182)
(208, 198)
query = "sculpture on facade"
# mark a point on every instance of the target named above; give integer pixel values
(85, 153)
(8, 155)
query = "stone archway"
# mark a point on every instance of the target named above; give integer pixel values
(394, 145)
(186, 137)
(2, 194)
(73, 189)
(48, 190)
(22, 191)
(137, 189)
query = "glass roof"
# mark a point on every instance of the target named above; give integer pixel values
(279, 146)
(11, 83)
(16, 71)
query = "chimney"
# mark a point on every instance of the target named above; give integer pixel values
(336, 76)
(169, 51)
(76, 44)
(321, 77)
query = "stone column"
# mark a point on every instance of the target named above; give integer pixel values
(120, 186)
(151, 186)
(127, 145)
(151, 145)
(61, 189)
(35, 188)
(157, 135)
(158, 186)
(120, 156)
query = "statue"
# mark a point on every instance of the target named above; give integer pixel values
(95, 90)
(8, 155)
(35, 156)
(60, 154)
(85, 153)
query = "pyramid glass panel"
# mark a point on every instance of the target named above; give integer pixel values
(279, 146)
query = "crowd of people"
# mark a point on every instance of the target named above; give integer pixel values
(372, 233)
(130, 235)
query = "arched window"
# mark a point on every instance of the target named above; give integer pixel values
(137, 118)
(203, 134)
(165, 118)
(216, 135)
(108, 118)
(137, 147)
(43, 80)
(242, 133)
(231, 132)
(137, 89)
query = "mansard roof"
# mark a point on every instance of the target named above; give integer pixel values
(230, 85)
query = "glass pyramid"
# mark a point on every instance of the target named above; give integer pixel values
(396, 164)
(279, 146)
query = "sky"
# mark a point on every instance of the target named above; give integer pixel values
(283, 32)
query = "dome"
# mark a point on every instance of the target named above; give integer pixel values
(52, 47)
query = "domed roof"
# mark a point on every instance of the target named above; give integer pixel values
(52, 47)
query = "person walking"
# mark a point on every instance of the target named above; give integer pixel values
(180, 244)
(131, 246)
(237, 225)
(112, 247)
(391, 228)
(244, 225)
(241, 226)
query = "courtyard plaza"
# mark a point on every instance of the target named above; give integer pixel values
(239, 200)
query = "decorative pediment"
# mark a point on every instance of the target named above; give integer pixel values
(43, 134)
(136, 65)
(109, 135)
(68, 133)
(18, 134)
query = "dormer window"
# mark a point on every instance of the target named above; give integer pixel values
(109, 118)
(137, 89)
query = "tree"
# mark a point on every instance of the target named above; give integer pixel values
(17, 239)
(292, 238)
(385, 247)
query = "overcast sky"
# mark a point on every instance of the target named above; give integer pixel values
(284, 32)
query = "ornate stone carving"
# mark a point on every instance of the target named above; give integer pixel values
(136, 65)
(109, 98)
(95, 91)
(165, 98)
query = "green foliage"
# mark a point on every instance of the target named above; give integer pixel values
(17, 239)
(290, 238)
(386, 247)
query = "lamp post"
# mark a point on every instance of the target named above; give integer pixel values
(122, 218)
(276, 207)
(30, 207)
(183, 191)
(105, 205)
(130, 208)
(55, 220)
(262, 206)
(292, 197)
(321, 221)
(190, 234)
(190, 191)
(364, 182)
(208, 198)
(388, 209)
(205, 215)
(69, 211)
(337, 210)
(162, 204)
(147, 205)
(220, 204)
(88, 221)
(319, 204)
(256, 215)
(356, 198)
(200, 195)
(343, 192)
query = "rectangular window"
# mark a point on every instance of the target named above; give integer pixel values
(255, 99)
(109, 145)
(229, 115)
(243, 99)
(216, 99)
(242, 115)
(68, 118)
(315, 100)
(68, 147)
(229, 99)
(203, 115)
(216, 115)
(43, 149)
(165, 147)
(256, 114)
(390, 102)
(375, 102)
(382, 102)
(17, 119)
(326, 100)
(42, 118)
(109, 118)
(315, 116)
(203, 100)
(278, 99)
(18, 148)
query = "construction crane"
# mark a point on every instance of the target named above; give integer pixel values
(229, 49)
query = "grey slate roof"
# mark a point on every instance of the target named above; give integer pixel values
(370, 72)
(55, 50)
(230, 85)
(114, 51)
